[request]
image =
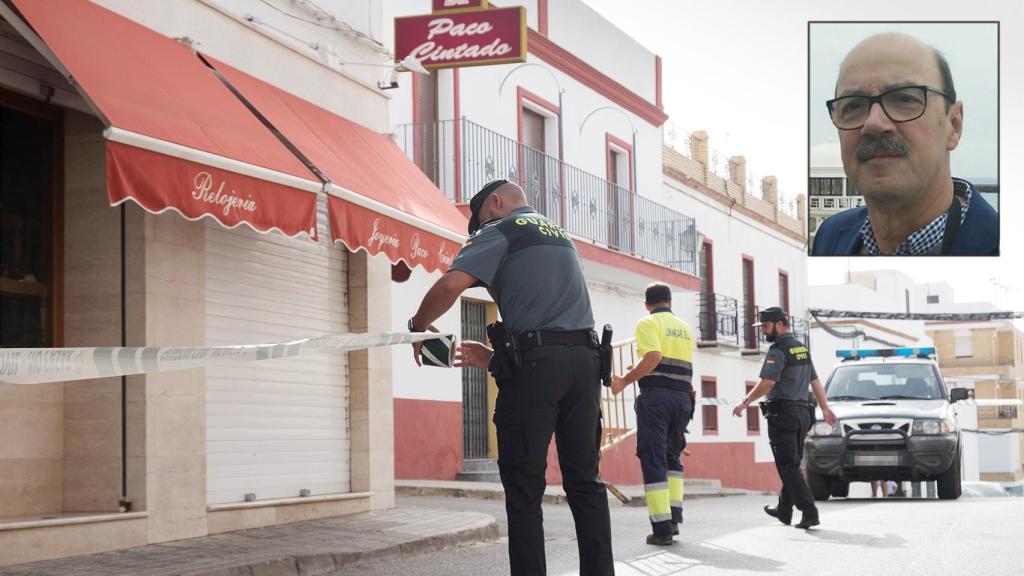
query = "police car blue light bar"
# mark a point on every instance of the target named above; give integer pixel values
(885, 352)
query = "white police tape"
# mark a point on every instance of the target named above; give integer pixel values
(715, 402)
(41, 365)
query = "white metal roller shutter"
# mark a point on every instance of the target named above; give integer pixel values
(277, 426)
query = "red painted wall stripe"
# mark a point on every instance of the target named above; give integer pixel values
(457, 135)
(635, 264)
(428, 439)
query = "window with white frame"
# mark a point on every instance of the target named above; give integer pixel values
(962, 344)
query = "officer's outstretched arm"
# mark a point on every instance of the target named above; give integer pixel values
(441, 296)
(762, 388)
(439, 299)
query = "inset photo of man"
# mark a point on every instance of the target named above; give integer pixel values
(903, 138)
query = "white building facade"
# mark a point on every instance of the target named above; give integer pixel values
(578, 126)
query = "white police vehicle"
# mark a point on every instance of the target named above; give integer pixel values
(896, 421)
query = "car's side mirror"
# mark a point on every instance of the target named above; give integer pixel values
(958, 394)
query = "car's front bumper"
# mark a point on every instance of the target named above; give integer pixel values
(861, 456)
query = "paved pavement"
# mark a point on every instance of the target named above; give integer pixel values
(324, 546)
(732, 536)
(298, 549)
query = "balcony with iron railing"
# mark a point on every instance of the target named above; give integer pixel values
(717, 321)
(723, 325)
(461, 156)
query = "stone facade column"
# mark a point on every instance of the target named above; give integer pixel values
(371, 402)
(738, 172)
(175, 402)
(699, 147)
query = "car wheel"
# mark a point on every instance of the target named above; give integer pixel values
(840, 489)
(949, 481)
(819, 484)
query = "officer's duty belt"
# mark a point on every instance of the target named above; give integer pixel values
(780, 402)
(535, 338)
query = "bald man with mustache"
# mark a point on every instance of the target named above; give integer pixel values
(898, 118)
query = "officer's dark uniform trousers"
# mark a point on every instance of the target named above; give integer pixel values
(557, 389)
(662, 415)
(787, 430)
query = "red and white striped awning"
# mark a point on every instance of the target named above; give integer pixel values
(379, 200)
(181, 138)
(178, 139)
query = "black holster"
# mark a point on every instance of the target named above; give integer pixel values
(507, 357)
(605, 349)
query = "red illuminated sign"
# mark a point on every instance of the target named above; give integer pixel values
(449, 40)
(450, 5)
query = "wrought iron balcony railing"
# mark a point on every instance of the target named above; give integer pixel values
(584, 204)
(717, 318)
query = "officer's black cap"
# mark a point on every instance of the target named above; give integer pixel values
(478, 200)
(769, 315)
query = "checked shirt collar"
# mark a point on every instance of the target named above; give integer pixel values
(924, 240)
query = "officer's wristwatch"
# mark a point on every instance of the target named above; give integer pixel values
(412, 327)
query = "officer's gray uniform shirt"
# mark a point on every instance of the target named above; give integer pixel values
(530, 267)
(788, 363)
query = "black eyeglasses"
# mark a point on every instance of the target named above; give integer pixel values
(899, 104)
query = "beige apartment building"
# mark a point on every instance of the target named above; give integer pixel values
(989, 355)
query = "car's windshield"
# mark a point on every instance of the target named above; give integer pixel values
(884, 382)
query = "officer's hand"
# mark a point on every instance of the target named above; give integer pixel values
(830, 416)
(472, 354)
(417, 346)
(618, 383)
(738, 410)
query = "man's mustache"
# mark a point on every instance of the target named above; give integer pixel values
(872, 146)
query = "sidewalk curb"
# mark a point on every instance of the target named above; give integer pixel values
(318, 564)
(481, 494)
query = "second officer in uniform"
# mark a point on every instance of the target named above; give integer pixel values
(547, 363)
(785, 376)
(663, 408)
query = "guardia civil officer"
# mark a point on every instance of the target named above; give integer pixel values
(785, 376)
(546, 364)
(663, 408)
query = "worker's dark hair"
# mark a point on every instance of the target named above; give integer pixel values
(658, 293)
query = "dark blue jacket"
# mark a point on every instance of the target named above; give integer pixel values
(978, 235)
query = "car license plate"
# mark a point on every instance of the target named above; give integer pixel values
(877, 459)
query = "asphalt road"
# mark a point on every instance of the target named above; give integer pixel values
(732, 536)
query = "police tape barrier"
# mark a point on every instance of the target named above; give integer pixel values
(41, 365)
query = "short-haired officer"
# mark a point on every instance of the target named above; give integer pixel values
(785, 376)
(663, 408)
(552, 383)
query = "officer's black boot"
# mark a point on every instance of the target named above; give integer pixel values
(656, 540)
(784, 516)
(808, 519)
(677, 519)
(661, 533)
